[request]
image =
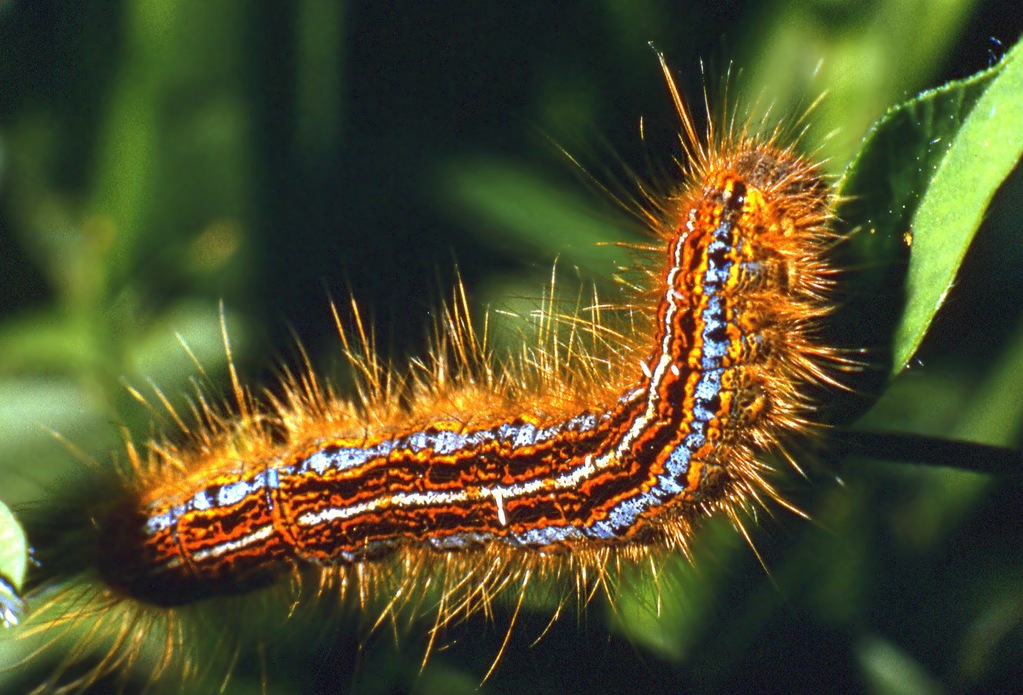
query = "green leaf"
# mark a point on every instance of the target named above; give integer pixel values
(983, 154)
(922, 180)
(13, 567)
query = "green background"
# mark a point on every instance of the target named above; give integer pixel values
(157, 158)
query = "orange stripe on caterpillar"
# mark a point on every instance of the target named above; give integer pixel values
(515, 470)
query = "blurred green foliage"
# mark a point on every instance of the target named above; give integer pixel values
(158, 158)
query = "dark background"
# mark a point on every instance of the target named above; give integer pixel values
(158, 158)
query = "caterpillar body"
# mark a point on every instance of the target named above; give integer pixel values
(474, 477)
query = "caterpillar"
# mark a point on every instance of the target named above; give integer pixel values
(471, 477)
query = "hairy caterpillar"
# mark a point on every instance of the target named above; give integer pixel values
(480, 478)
